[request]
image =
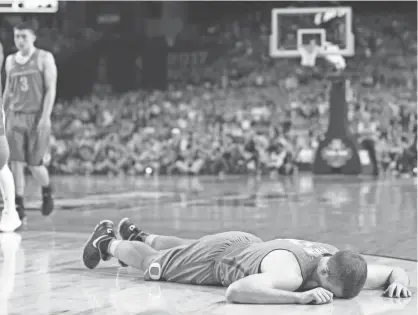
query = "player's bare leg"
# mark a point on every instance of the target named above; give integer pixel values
(9, 248)
(10, 220)
(161, 242)
(129, 231)
(41, 175)
(102, 245)
(18, 170)
(134, 254)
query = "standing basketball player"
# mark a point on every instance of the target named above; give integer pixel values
(9, 220)
(29, 98)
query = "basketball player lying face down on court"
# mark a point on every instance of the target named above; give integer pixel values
(280, 271)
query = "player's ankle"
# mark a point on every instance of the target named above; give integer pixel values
(149, 240)
(46, 190)
(104, 245)
(142, 236)
(19, 201)
(113, 247)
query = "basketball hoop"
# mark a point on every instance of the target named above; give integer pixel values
(171, 28)
(308, 54)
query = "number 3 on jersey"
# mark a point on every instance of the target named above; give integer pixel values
(24, 87)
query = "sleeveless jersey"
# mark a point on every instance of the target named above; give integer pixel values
(26, 85)
(242, 260)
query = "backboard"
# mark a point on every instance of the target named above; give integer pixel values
(330, 28)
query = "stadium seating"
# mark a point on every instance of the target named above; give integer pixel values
(248, 114)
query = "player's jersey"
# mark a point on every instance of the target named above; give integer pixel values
(26, 86)
(242, 260)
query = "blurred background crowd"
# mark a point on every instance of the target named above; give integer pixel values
(237, 110)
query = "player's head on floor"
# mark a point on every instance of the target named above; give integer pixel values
(24, 35)
(344, 274)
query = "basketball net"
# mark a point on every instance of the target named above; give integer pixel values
(308, 54)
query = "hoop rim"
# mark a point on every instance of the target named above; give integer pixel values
(310, 31)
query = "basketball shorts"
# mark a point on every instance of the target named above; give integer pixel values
(25, 142)
(195, 263)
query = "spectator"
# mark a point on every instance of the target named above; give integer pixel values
(247, 113)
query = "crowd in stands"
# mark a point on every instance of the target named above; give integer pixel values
(247, 112)
(49, 38)
(202, 130)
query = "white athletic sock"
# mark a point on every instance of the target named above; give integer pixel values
(112, 246)
(7, 186)
(150, 239)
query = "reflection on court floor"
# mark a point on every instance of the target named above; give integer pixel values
(41, 270)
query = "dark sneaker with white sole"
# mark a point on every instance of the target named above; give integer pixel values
(93, 253)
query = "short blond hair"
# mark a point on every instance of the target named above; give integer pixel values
(348, 269)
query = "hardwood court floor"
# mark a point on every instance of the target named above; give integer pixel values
(41, 270)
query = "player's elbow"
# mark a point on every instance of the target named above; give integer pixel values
(240, 292)
(50, 93)
(232, 293)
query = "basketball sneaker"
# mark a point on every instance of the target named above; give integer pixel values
(128, 231)
(93, 252)
(10, 221)
(47, 201)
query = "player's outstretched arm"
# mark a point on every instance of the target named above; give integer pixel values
(274, 288)
(394, 281)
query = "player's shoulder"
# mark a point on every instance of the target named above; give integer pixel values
(289, 267)
(45, 54)
(45, 59)
(287, 260)
(11, 56)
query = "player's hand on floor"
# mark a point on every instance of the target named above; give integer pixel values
(316, 296)
(396, 290)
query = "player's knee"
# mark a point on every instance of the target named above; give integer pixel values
(4, 157)
(17, 166)
(34, 167)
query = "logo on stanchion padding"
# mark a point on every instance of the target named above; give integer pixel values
(155, 271)
(336, 153)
